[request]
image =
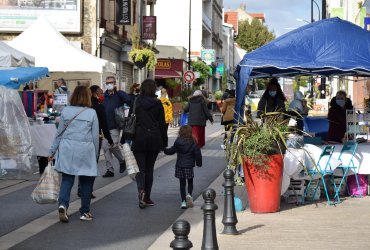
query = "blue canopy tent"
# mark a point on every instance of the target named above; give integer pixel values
(13, 78)
(330, 47)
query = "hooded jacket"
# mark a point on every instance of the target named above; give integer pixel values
(296, 104)
(188, 153)
(198, 111)
(151, 132)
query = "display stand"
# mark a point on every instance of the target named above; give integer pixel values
(358, 123)
(34, 101)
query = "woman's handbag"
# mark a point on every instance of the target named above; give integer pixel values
(130, 124)
(131, 164)
(47, 189)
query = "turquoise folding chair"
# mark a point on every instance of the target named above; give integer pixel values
(348, 148)
(322, 168)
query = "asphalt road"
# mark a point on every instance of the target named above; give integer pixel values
(118, 222)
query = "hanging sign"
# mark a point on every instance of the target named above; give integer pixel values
(149, 27)
(123, 12)
(60, 99)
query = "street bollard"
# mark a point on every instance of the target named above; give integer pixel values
(209, 227)
(229, 218)
(181, 229)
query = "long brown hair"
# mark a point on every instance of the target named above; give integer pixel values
(81, 97)
(185, 132)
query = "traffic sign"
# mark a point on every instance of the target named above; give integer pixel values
(189, 76)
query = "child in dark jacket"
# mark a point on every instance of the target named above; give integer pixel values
(188, 155)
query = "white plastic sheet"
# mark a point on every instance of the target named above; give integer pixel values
(15, 137)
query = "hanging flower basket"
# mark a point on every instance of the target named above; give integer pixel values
(143, 58)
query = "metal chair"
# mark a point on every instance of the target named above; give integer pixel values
(322, 168)
(349, 150)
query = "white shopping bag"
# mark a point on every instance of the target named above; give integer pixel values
(131, 164)
(47, 189)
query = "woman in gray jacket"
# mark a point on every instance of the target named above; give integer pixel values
(76, 148)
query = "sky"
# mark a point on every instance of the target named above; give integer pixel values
(280, 15)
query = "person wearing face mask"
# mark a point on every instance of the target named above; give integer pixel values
(297, 109)
(272, 100)
(337, 117)
(113, 99)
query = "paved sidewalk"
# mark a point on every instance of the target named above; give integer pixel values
(312, 226)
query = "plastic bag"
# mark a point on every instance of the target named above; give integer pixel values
(120, 116)
(131, 164)
(47, 189)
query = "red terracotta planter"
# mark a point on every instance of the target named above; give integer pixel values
(264, 185)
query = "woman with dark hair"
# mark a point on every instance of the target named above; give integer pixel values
(76, 148)
(273, 99)
(337, 117)
(150, 138)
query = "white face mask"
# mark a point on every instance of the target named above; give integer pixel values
(110, 87)
(341, 103)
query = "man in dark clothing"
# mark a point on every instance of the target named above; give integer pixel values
(113, 99)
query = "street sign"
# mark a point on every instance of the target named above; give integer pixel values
(189, 76)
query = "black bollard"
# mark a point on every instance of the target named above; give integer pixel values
(181, 229)
(229, 218)
(209, 227)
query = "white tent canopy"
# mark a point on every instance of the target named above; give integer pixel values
(51, 49)
(10, 57)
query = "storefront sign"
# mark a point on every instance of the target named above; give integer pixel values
(60, 99)
(208, 56)
(123, 12)
(163, 64)
(149, 27)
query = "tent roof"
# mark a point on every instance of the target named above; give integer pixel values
(327, 47)
(10, 57)
(13, 78)
(51, 49)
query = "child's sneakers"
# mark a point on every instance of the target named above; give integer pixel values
(183, 205)
(189, 201)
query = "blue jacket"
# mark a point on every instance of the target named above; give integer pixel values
(188, 153)
(111, 102)
(77, 148)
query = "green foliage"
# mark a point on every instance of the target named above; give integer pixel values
(137, 55)
(218, 95)
(203, 69)
(224, 82)
(172, 83)
(253, 35)
(300, 81)
(255, 140)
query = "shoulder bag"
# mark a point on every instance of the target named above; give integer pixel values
(130, 124)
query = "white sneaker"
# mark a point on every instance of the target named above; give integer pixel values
(189, 201)
(183, 205)
(63, 217)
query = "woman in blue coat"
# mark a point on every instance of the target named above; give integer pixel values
(76, 148)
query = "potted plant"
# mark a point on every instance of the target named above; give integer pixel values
(218, 96)
(140, 56)
(259, 147)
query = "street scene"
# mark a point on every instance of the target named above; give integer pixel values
(168, 124)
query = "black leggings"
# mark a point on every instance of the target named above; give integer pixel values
(183, 188)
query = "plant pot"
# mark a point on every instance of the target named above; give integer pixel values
(219, 105)
(141, 64)
(264, 185)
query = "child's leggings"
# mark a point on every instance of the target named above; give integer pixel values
(183, 188)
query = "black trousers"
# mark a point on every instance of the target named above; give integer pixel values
(183, 188)
(144, 179)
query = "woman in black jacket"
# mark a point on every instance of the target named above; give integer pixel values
(150, 138)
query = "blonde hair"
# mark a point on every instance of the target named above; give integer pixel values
(163, 93)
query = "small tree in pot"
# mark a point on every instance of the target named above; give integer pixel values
(259, 148)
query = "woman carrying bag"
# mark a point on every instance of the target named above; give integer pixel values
(76, 148)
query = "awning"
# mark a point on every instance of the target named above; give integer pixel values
(13, 78)
(166, 73)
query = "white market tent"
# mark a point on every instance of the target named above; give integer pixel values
(10, 57)
(51, 49)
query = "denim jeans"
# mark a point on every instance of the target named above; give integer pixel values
(86, 183)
